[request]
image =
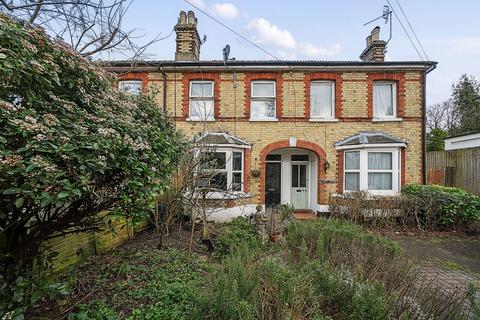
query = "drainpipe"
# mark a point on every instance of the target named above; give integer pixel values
(164, 75)
(424, 119)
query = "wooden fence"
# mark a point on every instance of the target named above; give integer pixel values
(455, 168)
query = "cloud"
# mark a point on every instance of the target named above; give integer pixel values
(287, 47)
(198, 3)
(462, 42)
(269, 34)
(225, 10)
(310, 50)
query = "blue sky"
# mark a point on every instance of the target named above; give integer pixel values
(325, 30)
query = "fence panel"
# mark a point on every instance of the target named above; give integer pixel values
(455, 168)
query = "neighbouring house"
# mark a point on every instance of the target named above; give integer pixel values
(293, 132)
(463, 141)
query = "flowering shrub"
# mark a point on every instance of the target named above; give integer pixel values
(71, 145)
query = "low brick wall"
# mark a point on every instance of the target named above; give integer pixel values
(73, 248)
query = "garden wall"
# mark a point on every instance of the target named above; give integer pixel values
(73, 248)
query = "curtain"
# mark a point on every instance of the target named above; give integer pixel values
(201, 89)
(263, 89)
(383, 100)
(352, 160)
(321, 99)
(379, 181)
(379, 161)
(352, 181)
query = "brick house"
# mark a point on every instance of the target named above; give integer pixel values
(294, 131)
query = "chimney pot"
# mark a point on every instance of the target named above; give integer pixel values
(369, 41)
(183, 18)
(376, 34)
(191, 17)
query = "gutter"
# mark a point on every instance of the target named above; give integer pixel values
(432, 67)
(164, 76)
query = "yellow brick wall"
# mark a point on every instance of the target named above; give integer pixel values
(354, 100)
(323, 134)
(230, 108)
(73, 248)
(293, 98)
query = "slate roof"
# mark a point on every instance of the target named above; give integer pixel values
(221, 138)
(368, 137)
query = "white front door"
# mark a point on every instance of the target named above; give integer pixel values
(299, 188)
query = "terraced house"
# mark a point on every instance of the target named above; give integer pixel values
(294, 131)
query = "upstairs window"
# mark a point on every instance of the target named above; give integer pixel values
(133, 87)
(384, 99)
(322, 99)
(263, 106)
(201, 101)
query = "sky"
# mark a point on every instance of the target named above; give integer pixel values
(449, 31)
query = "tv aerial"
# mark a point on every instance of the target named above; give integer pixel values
(387, 17)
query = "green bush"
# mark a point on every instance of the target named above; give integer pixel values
(448, 206)
(232, 234)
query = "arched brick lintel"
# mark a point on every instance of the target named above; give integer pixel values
(300, 144)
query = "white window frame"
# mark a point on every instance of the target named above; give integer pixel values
(394, 99)
(210, 97)
(332, 110)
(253, 98)
(121, 84)
(396, 170)
(229, 167)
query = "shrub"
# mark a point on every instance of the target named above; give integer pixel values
(71, 145)
(445, 206)
(232, 234)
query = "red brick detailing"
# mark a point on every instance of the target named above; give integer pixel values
(246, 169)
(340, 157)
(203, 76)
(277, 77)
(302, 144)
(141, 76)
(333, 76)
(402, 167)
(399, 78)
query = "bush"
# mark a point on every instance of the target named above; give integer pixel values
(232, 234)
(445, 206)
(71, 146)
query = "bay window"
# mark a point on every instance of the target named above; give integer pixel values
(262, 100)
(373, 170)
(227, 167)
(133, 87)
(322, 99)
(201, 101)
(384, 99)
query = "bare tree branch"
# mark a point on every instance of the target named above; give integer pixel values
(91, 27)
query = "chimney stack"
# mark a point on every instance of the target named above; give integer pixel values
(188, 41)
(376, 48)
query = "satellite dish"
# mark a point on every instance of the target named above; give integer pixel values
(226, 53)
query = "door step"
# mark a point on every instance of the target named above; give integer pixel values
(304, 215)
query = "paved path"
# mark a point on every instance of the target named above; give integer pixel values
(449, 264)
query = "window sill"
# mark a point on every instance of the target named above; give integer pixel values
(387, 120)
(199, 120)
(323, 120)
(228, 195)
(371, 195)
(263, 120)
